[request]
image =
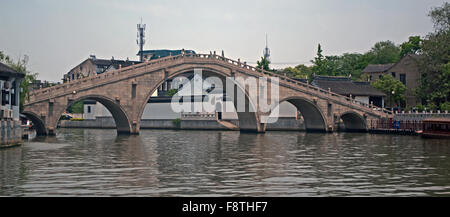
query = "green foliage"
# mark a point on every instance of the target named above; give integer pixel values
(441, 17)
(383, 52)
(393, 88)
(420, 107)
(76, 108)
(177, 122)
(172, 92)
(412, 46)
(445, 106)
(431, 106)
(263, 64)
(351, 64)
(300, 71)
(320, 62)
(21, 66)
(408, 108)
(4, 58)
(434, 62)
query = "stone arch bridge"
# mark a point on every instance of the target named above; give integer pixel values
(126, 91)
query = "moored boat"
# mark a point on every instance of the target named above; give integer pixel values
(436, 128)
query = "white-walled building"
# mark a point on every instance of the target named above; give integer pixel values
(10, 124)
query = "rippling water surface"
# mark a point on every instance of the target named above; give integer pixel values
(87, 162)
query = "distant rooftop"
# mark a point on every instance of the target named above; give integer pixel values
(345, 86)
(6, 71)
(106, 62)
(155, 54)
(371, 68)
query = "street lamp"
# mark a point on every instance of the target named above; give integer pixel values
(392, 94)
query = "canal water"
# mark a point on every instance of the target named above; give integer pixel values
(87, 162)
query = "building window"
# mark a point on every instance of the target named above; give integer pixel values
(73, 76)
(5, 97)
(370, 78)
(403, 78)
(393, 74)
(89, 109)
(13, 94)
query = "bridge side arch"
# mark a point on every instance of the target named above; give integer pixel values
(353, 121)
(313, 116)
(38, 123)
(121, 118)
(248, 120)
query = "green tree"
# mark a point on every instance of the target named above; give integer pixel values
(319, 58)
(318, 67)
(393, 88)
(434, 62)
(300, 71)
(445, 106)
(441, 17)
(172, 92)
(412, 46)
(76, 108)
(352, 64)
(383, 52)
(21, 66)
(263, 64)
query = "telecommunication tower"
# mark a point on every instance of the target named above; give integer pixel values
(266, 51)
(141, 40)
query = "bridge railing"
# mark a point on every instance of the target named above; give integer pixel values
(258, 72)
(290, 80)
(69, 84)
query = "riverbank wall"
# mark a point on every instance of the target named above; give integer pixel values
(10, 133)
(419, 117)
(108, 123)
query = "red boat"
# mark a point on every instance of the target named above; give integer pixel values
(436, 128)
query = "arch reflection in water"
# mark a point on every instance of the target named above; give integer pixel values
(221, 163)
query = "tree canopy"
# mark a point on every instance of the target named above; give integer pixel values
(412, 46)
(434, 62)
(20, 66)
(263, 64)
(433, 52)
(393, 88)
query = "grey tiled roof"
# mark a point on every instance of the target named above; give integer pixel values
(104, 62)
(6, 71)
(345, 86)
(155, 54)
(377, 67)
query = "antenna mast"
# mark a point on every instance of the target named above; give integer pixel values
(141, 40)
(266, 52)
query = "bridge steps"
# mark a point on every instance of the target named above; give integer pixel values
(228, 125)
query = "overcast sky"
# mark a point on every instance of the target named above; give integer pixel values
(57, 35)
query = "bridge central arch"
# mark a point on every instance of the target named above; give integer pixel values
(313, 117)
(248, 120)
